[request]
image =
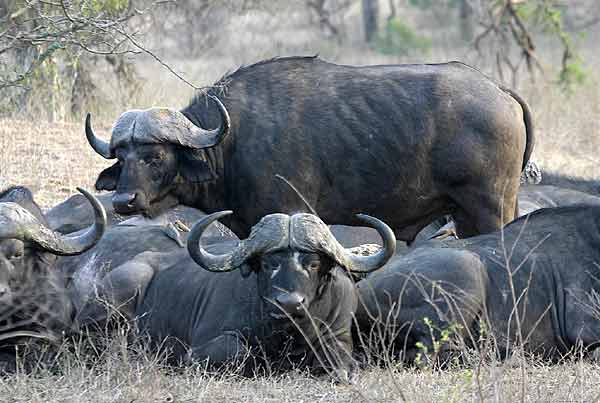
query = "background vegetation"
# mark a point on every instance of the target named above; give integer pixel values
(62, 58)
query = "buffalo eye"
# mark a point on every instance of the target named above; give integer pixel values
(151, 159)
(17, 251)
(312, 262)
(271, 265)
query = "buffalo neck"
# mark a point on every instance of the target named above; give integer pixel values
(208, 196)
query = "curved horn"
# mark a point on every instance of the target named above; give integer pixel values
(202, 138)
(367, 264)
(100, 146)
(18, 223)
(67, 245)
(206, 260)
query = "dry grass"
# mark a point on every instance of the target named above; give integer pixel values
(125, 375)
(50, 158)
(53, 158)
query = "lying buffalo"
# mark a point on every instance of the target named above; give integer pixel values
(294, 299)
(535, 197)
(531, 198)
(76, 276)
(590, 186)
(122, 242)
(408, 143)
(32, 288)
(545, 263)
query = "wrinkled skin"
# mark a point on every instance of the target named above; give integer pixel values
(554, 264)
(305, 119)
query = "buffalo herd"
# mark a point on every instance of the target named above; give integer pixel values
(230, 233)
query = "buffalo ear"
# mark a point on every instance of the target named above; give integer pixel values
(107, 180)
(196, 170)
(327, 264)
(249, 266)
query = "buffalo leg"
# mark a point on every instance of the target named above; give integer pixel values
(120, 290)
(226, 349)
(478, 213)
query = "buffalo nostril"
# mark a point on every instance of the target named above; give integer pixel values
(290, 302)
(131, 200)
(124, 201)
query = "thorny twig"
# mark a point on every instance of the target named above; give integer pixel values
(48, 26)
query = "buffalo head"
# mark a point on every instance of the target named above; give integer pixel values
(27, 245)
(293, 257)
(149, 166)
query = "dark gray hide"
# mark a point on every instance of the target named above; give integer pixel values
(555, 277)
(125, 240)
(75, 213)
(407, 143)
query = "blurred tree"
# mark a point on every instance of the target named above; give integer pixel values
(370, 13)
(399, 38)
(323, 14)
(505, 32)
(509, 29)
(327, 12)
(467, 20)
(52, 46)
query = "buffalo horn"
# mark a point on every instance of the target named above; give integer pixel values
(17, 223)
(366, 264)
(202, 138)
(100, 146)
(206, 260)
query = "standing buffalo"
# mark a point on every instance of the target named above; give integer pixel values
(408, 143)
(294, 299)
(534, 283)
